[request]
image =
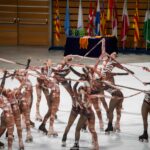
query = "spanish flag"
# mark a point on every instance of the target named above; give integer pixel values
(57, 22)
(136, 26)
(110, 9)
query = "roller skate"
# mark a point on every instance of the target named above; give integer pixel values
(144, 137)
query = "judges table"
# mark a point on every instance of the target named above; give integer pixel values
(73, 46)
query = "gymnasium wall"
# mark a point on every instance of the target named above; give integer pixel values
(73, 8)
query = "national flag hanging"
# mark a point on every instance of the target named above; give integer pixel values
(110, 9)
(103, 20)
(90, 21)
(57, 22)
(97, 19)
(125, 24)
(136, 25)
(114, 19)
(80, 24)
(94, 16)
(147, 28)
(67, 20)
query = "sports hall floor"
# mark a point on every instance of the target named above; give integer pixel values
(40, 54)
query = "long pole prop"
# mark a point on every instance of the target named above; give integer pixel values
(16, 63)
(126, 69)
(92, 48)
(135, 89)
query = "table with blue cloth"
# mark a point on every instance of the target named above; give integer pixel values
(73, 46)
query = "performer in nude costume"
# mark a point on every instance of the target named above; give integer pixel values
(22, 77)
(7, 121)
(58, 77)
(46, 71)
(115, 103)
(144, 111)
(10, 95)
(7, 118)
(86, 114)
(88, 75)
(53, 104)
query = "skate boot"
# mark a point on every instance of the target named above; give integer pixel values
(75, 146)
(21, 146)
(32, 124)
(51, 132)
(63, 144)
(43, 129)
(109, 129)
(64, 140)
(117, 127)
(29, 139)
(38, 117)
(144, 137)
(1, 145)
(95, 146)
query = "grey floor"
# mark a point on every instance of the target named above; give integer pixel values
(40, 54)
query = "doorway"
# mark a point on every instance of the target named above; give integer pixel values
(24, 22)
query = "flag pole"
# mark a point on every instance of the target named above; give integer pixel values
(123, 27)
(112, 17)
(147, 26)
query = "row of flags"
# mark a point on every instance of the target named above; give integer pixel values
(97, 20)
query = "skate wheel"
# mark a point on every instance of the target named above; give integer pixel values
(38, 119)
(21, 148)
(107, 133)
(55, 135)
(101, 129)
(145, 140)
(141, 140)
(29, 140)
(2, 147)
(42, 132)
(63, 144)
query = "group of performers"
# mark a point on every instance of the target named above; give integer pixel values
(86, 93)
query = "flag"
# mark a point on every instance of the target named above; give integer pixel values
(110, 9)
(90, 21)
(136, 26)
(97, 19)
(114, 19)
(94, 17)
(80, 24)
(57, 22)
(125, 24)
(103, 20)
(67, 20)
(146, 30)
